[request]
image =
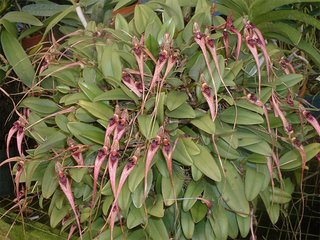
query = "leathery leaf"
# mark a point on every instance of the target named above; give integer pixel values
(253, 183)
(232, 190)
(206, 164)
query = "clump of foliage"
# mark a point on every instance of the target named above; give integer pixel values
(174, 123)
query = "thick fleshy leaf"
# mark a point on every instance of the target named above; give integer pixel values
(183, 111)
(262, 148)
(175, 99)
(17, 58)
(57, 215)
(284, 29)
(114, 94)
(193, 191)
(225, 150)
(90, 89)
(22, 17)
(243, 116)
(155, 206)
(288, 81)
(168, 192)
(232, 191)
(156, 229)
(198, 211)
(292, 159)
(135, 217)
(40, 105)
(148, 127)
(49, 181)
(273, 209)
(293, 15)
(187, 224)
(45, 9)
(204, 123)
(53, 141)
(111, 63)
(86, 133)
(253, 183)
(181, 154)
(206, 164)
(97, 109)
(143, 15)
(244, 225)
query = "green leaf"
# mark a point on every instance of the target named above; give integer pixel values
(56, 140)
(205, 123)
(110, 63)
(280, 196)
(45, 9)
(57, 19)
(262, 148)
(114, 94)
(219, 222)
(135, 217)
(155, 206)
(166, 186)
(260, 7)
(121, 23)
(206, 164)
(17, 58)
(187, 224)
(191, 146)
(90, 90)
(247, 138)
(22, 17)
(243, 117)
(287, 81)
(198, 211)
(257, 158)
(107, 204)
(143, 15)
(168, 27)
(40, 105)
(281, 28)
(181, 154)
(85, 132)
(122, 3)
(225, 150)
(193, 191)
(49, 181)
(292, 159)
(249, 106)
(183, 111)
(287, 15)
(312, 52)
(147, 126)
(84, 116)
(172, 10)
(156, 229)
(124, 198)
(233, 230)
(273, 209)
(57, 215)
(244, 225)
(253, 183)
(136, 175)
(232, 190)
(77, 174)
(74, 98)
(97, 109)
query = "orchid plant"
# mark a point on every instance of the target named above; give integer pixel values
(174, 123)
